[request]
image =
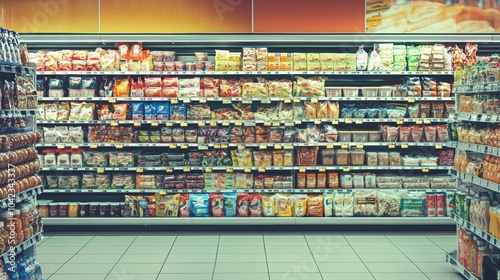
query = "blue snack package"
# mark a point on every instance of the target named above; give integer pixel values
(230, 204)
(150, 108)
(178, 112)
(199, 205)
(137, 108)
(163, 110)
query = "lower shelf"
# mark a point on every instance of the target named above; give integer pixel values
(21, 247)
(249, 221)
(452, 259)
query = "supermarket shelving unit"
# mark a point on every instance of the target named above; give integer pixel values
(469, 178)
(185, 45)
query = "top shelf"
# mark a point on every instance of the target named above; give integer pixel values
(250, 73)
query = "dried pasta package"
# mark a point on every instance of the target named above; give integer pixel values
(333, 110)
(310, 110)
(242, 205)
(328, 203)
(254, 90)
(437, 109)
(277, 158)
(199, 205)
(322, 111)
(299, 205)
(442, 133)
(413, 204)
(268, 205)
(404, 133)
(314, 86)
(315, 205)
(389, 203)
(365, 203)
(230, 204)
(284, 205)
(230, 88)
(280, 88)
(63, 111)
(425, 109)
(394, 159)
(348, 204)
(255, 205)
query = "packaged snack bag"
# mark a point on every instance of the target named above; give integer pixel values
(255, 205)
(230, 200)
(284, 205)
(268, 205)
(184, 205)
(299, 205)
(217, 205)
(199, 205)
(315, 205)
(328, 204)
(242, 205)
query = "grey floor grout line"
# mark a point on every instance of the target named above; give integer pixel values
(166, 258)
(350, 245)
(121, 256)
(265, 255)
(312, 255)
(55, 272)
(397, 246)
(216, 253)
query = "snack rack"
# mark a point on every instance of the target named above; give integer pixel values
(479, 228)
(334, 79)
(14, 194)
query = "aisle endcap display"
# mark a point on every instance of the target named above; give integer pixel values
(25, 245)
(477, 231)
(452, 259)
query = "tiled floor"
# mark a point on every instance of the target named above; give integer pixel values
(247, 255)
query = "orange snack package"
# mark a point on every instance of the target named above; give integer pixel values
(315, 205)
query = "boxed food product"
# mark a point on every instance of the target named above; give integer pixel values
(344, 136)
(369, 91)
(374, 136)
(357, 157)
(333, 91)
(342, 157)
(350, 91)
(359, 136)
(385, 91)
(328, 156)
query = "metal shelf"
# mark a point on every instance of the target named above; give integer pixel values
(452, 259)
(243, 99)
(231, 169)
(484, 235)
(23, 246)
(219, 73)
(192, 221)
(477, 148)
(437, 145)
(479, 88)
(66, 191)
(471, 117)
(468, 178)
(21, 196)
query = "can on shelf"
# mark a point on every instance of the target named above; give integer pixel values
(53, 209)
(83, 209)
(73, 210)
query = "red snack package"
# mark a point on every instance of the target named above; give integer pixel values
(93, 65)
(135, 51)
(152, 81)
(417, 133)
(230, 88)
(79, 55)
(152, 92)
(123, 50)
(170, 82)
(217, 205)
(171, 92)
(442, 133)
(137, 88)
(79, 65)
(404, 133)
(430, 133)
(254, 205)
(242, 205)
(184, 205)
(65, 65)
(121, 87)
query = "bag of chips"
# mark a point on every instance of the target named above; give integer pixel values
(184, 205)
(242, 205)
(255, 205)
(315, 206)
(199, 205)
(268, 205)
(230, 200)
(299, 205)
(216, 205)
(284, 205)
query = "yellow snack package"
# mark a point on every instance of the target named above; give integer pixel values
(284, 205)
(167, 205)
(268, 205)
(299, 205)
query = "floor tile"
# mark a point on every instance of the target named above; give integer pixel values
(289, 258)
(327, 240)
(93, 276)
(441, 267)
(65, 242)
(193, 250)
(239, 249)
(372, 241)
(98, 250)
(102, 258)
(205, 276)
(140, 250)
(80, 268)
(414, 249)
(191, 258)
(57, 250)
(153, 241)
(392, 267)
(444, 276)
(191, 268)
(51, 268)
(46, 259)
(321, 249)
(240, 268)
(134, 268)
(335, 258)
(287, 249)
(247, 276)
(426, 257)
(290, 275)
(410, 240)
(342, 267)
(240, 258)
(193, 240)
(143, 258)
(134, 276)
(345, 275)
(241, 241)
(157, 233)
(399, 276)
(302, 267)
(286, 242)
(383, 258)
(448, 248)
(111, 241)
(389, 249)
